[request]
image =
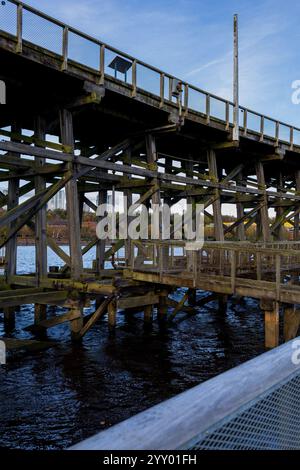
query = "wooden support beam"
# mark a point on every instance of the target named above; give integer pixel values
(148, 314)
(291, 323)
(31, 298)
(40, 313)
(179, 306)
(92, 287)
(217, 211)
(76, 319)
(129, 201)
(112, 314)
(272, 326)
(222, 303)
(240, 211)
(263, 215)
(88, 164)
(12, 204)
(41, 216)
(45, 324)
(162, 308)
(100, 311)
(192, 296)
(41, 201)
(279, 210)
(137, 301)
(297, 219)
(9, 318)
(67, 138)
(26, 188)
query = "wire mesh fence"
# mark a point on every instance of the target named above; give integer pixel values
(269, 423)
(42, 32)
(8, 16)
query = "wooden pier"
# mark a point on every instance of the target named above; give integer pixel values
(90, 129)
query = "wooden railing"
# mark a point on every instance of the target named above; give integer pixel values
(277, 262)
(192, 99)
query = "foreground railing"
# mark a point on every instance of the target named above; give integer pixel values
(30, 25)
(253, 406)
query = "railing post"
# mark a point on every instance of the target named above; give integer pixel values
(245, 123)
(102, 64)
(227, 115)
(262, 128)
(162, 89)
(133, 94)
(258, 266)
(291, 138)
(207, 109)
(19, 46)
(277, 132)
(186, 98)
(65, 46)
(233, 259)
(170, 88)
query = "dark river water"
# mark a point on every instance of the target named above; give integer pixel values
(54, 398)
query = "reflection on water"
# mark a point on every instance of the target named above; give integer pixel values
(54, 398)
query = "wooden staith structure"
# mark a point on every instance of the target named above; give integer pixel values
(73, 122)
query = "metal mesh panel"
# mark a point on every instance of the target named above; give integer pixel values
(8, 18)
(42, 32)
(84, 51)
(272, 422)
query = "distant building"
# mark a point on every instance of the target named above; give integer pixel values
(58, 201)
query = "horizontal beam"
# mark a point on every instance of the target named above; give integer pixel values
(98, 163)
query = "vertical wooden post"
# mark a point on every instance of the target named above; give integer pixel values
(217, 211)
(112, 314)
(148, 314)
(279, 210)
(222, 303)
(100, 247)
(291, 323)
(41, 217)
(128, 195)
(76, 324)
(81, 206)
(152, 159)
(297, 217)
(9, 319)
(162, 307)
(11, 247)
(40, 313)
(240, 212)
(190, 201)
(192, 296)
(12, 201)
(67, 138)
(264, 215)
(271, 310)
(151, 152)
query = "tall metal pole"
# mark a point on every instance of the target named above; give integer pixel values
(235, 133)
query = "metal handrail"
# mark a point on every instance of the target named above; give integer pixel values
(186, 86)
(182, 421)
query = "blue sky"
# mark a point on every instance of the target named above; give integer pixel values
(192, 39)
